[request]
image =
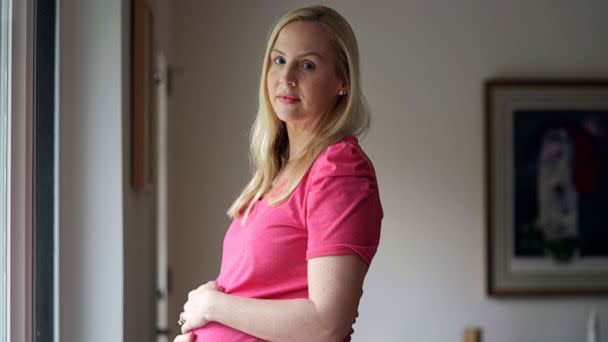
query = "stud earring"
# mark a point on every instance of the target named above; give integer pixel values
(341, 92)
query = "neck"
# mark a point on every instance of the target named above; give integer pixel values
(299, 135)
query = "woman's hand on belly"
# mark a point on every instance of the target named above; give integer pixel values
(198, 307)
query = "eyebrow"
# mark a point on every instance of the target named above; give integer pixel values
(311, 53)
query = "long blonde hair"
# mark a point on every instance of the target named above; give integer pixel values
(269, 141)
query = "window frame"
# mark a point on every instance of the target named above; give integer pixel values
(4, 145)
(20, 123)
(44, 171)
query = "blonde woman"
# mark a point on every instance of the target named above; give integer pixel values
(306, 227)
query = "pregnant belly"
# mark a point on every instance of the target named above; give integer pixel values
(216, 332)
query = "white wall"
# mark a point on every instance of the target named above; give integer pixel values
(19, 233)
(423, 66)
(91, 109)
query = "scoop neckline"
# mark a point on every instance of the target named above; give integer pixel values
(281, 184)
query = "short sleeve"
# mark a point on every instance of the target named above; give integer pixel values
(344, 213)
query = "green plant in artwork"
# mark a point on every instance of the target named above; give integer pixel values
(562, 250)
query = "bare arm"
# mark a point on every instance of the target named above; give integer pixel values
(334, 288)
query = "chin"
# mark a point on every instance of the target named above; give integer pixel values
(289, 117)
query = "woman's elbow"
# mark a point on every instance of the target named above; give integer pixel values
(320, 329)
(337, 335)
(335, 330)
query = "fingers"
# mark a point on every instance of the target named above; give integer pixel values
(184, 328)
(191, 324)
(188, 337)
(196, 304)
(187, 326)
(210, 284)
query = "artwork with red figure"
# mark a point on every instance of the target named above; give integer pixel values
(561, 184)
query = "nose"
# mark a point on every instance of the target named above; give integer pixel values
(288, 76)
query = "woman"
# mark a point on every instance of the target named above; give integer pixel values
(307, 225)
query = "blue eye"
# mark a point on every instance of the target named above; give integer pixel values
(278, 60)
(308, 66)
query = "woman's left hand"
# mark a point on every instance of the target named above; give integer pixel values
(198, 307)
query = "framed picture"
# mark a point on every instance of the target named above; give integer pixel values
(547, 187)
(142, 110)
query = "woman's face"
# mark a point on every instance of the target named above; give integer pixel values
(302, 78)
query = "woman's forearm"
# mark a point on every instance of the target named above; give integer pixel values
(275, 320)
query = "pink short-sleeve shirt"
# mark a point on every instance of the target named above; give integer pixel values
(334, 210)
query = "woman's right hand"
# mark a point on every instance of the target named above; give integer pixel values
(187, 337)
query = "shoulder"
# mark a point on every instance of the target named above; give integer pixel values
(343, 158)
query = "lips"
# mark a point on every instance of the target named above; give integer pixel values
(288, 98)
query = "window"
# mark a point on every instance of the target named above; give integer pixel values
(3, 165)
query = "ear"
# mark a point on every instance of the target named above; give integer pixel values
(343, 85)
(343, 80)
